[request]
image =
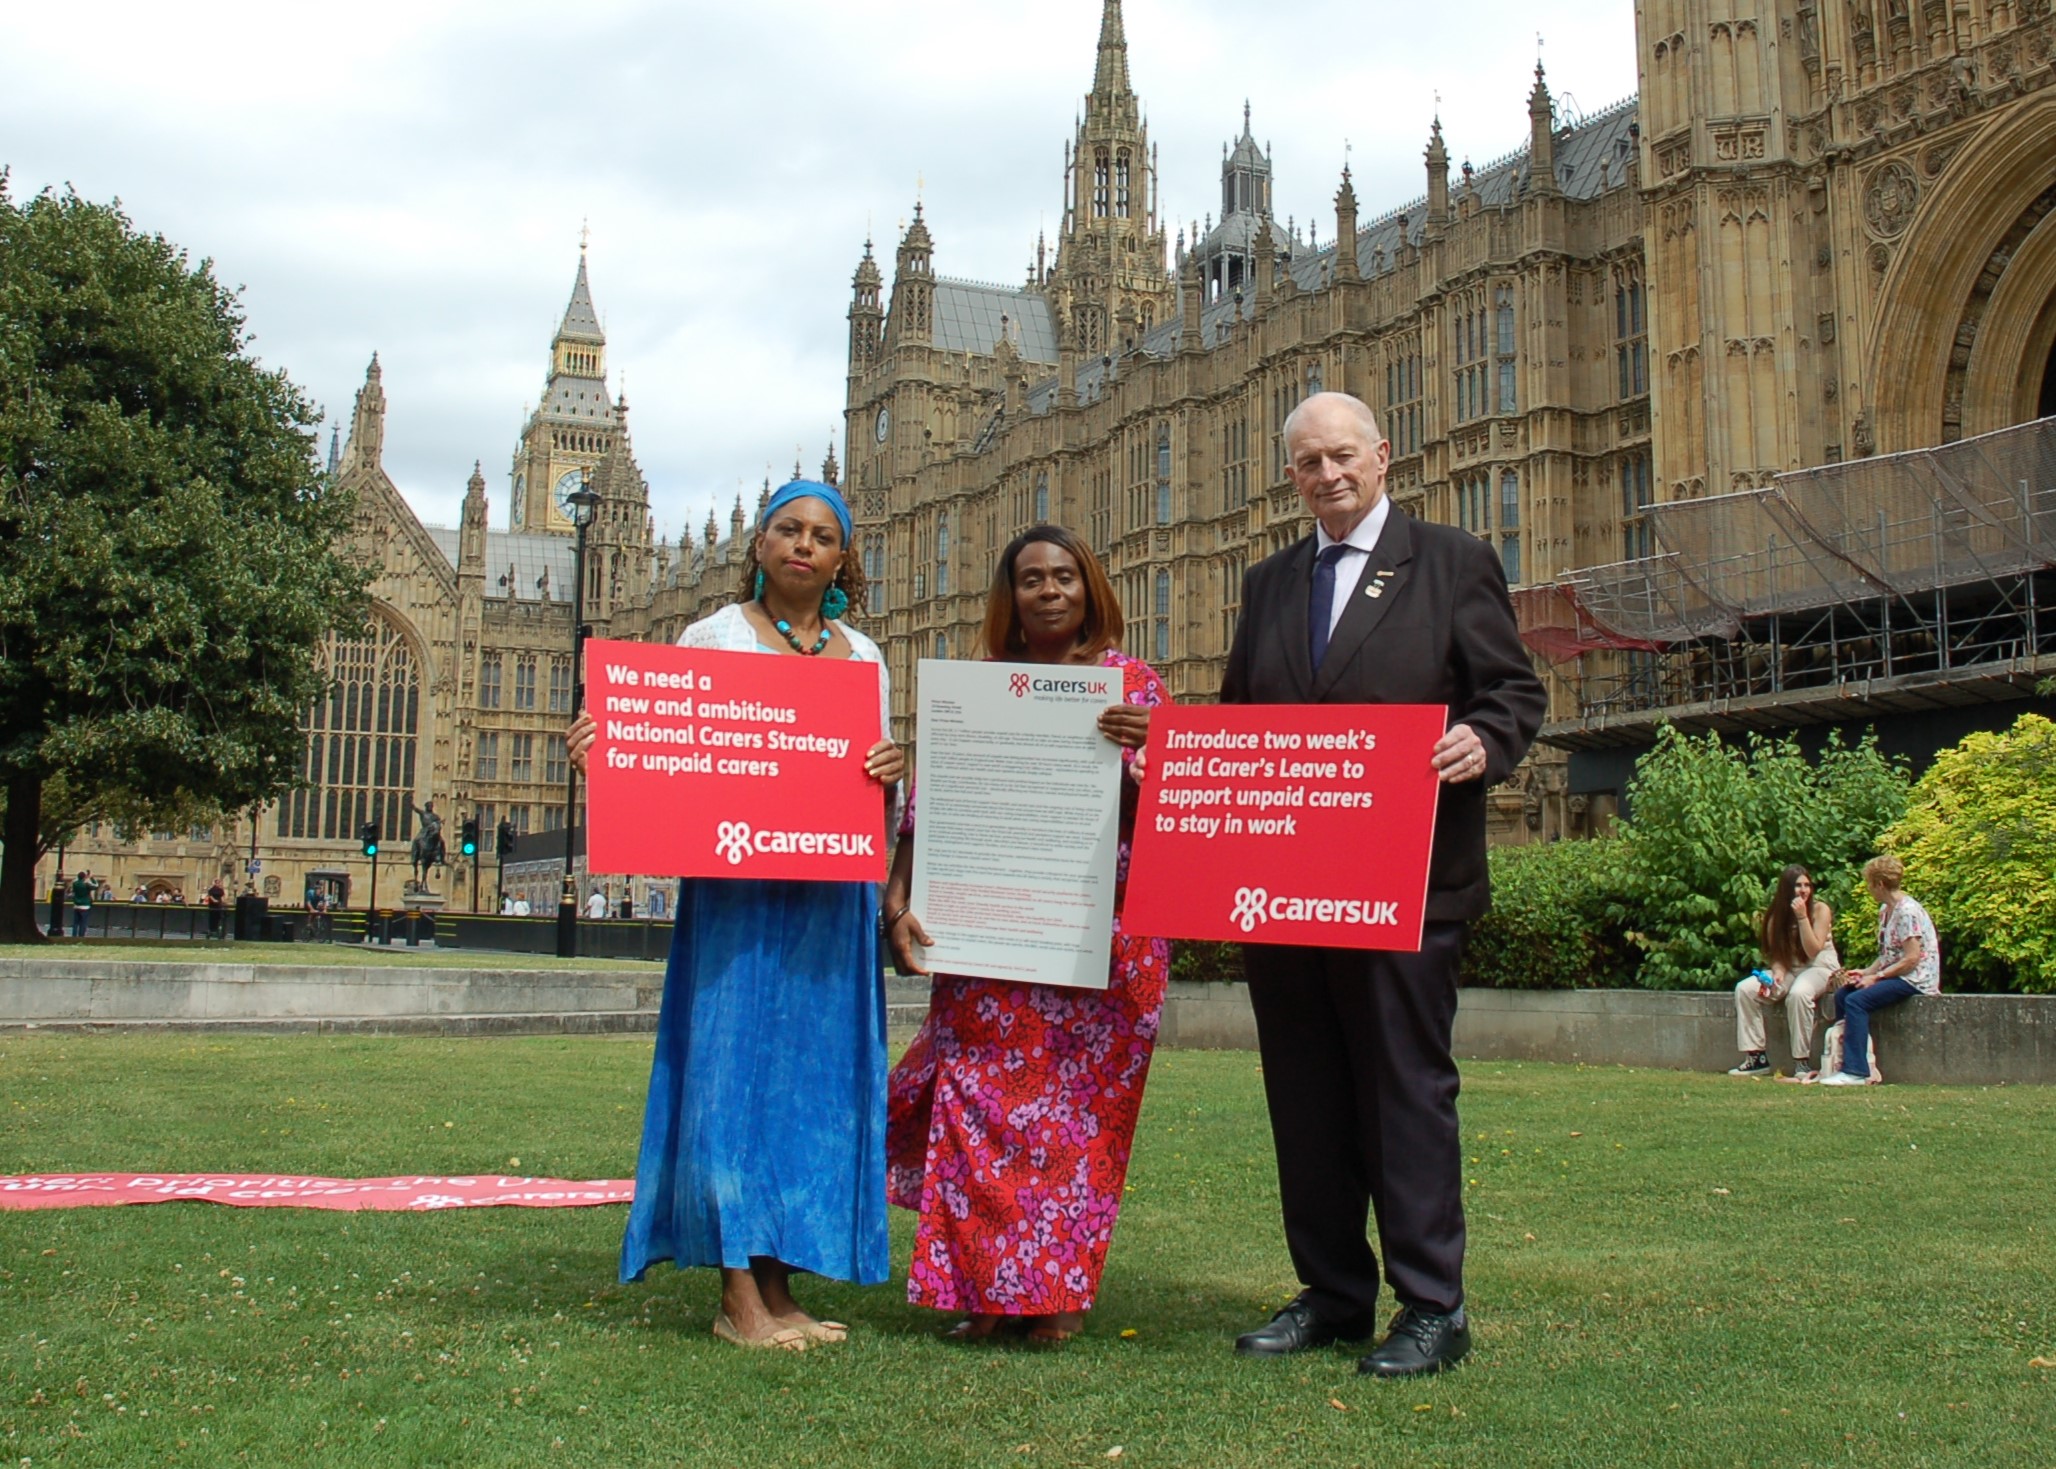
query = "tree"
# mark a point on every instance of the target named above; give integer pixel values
(1979, 843)
(1712, 825)
(169, 552)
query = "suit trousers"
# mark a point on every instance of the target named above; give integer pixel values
(1362, 1093)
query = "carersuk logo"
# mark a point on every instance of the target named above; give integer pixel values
(1097, 686)
(737, 840)
(732, 841)
(1254, 906)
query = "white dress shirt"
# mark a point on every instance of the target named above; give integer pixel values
(1349, 566)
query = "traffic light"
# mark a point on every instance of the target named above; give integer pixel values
(467, 837)
(367, 837)
(503, 839)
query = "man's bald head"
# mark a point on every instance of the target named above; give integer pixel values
(1337, 459)
(1330, 402)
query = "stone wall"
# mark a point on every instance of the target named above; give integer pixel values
(1973, 1040)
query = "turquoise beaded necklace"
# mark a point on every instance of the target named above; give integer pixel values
(785, 631)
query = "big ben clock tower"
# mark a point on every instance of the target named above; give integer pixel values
(572, 429)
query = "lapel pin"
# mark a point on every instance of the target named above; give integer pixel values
(1374, 591)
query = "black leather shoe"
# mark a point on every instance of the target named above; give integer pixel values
(1298, 1328)
(1418, 1342)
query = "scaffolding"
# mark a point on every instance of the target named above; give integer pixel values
(1908, 580)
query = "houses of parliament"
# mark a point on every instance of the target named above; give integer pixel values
(1821, 230)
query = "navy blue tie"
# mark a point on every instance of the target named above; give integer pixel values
(1321, 610)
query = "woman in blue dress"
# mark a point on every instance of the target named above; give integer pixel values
(763, 1149)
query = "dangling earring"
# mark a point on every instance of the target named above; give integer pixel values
(834, 603)
(758, 590)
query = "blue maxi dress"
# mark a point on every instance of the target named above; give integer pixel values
(765, 1128)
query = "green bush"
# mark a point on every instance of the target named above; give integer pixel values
(1547, 928)
(1206, 961)
(1979, 843)
(1714, 822)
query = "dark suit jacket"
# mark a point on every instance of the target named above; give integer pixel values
(1441, 632)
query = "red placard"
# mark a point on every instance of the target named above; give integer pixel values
(712, 764)
(1286, 824)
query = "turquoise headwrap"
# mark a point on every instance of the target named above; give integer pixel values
(807, 489)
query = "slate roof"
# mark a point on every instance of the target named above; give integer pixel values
(967, 319)
(1590, 159)
(579, 399)
(1237, 231)
(515, 562)
(581, 322)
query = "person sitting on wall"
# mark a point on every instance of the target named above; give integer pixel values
(1909, 963)
(1796, 937)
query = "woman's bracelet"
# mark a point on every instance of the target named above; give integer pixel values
(897, 914)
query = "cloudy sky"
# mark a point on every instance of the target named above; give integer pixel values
(412, 176)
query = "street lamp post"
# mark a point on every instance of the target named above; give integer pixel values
(582, 502)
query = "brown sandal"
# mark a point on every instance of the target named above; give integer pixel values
(813, 1330)
(785, 1338)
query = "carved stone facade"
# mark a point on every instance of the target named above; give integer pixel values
(1892, 216)
(1498, 326)
(1807, 237)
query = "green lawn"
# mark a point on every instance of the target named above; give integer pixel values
(320, 956)
(1665, 1270)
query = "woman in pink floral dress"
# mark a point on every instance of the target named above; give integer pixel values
(1010, 1119)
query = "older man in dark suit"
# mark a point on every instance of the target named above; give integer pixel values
(1378, 608)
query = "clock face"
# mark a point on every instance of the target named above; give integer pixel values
(567, 486)
(884, 424)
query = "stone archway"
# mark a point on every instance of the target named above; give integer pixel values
(1964, 326)
(2002, 381)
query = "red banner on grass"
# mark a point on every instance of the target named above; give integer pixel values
(299, 1191)
(713, 764)
(1286, 824)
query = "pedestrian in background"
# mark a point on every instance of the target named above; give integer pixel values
(81, 903)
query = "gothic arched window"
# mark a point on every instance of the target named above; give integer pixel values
(1042, 498)
(1163, 474)
(1121, 186)
(942, 554)
(361, 739)
(1099, 184)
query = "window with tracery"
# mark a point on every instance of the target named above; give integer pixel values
(1631, 335)
(1163, 474)
(362, 735)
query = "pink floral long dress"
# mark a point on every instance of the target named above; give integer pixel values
(1011, 1116)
